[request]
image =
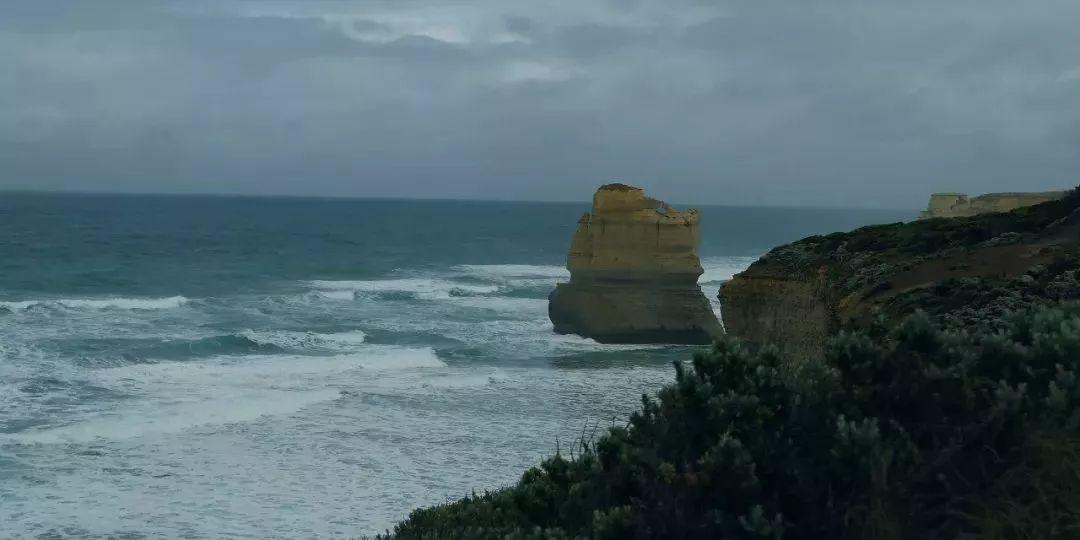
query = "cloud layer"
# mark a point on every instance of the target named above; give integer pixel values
(831, 102)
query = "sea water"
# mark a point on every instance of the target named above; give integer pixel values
(193, 367)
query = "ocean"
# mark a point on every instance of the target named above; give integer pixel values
(226, 367)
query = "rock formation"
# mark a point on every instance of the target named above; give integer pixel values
(961, 272)
(633, 274)
(949, 205)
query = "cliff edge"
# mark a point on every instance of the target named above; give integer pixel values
(961, 271)
(634, 268)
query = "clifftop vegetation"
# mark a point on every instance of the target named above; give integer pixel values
(913, 432)
(959, 421)
(908, 243)
(961, 271)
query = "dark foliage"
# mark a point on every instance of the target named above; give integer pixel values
(983, 303)
(913, 432)
(863, 257)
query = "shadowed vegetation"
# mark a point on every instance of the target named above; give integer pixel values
(912, 431)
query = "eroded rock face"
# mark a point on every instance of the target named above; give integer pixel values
(634, 268)
(792, 311)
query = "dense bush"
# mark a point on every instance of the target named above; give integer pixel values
(914, 432)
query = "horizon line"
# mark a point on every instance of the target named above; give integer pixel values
(231, 195)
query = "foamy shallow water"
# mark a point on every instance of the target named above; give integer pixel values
(404, 391)
(188, 367)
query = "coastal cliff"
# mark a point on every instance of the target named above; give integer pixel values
(903, 427)
(960, 271)
(634, 268)
(951, 205)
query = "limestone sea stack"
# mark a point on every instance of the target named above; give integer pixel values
(634, 268)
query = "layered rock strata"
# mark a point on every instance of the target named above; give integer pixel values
(634, 268)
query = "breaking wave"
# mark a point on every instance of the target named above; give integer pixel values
(98, 303)
(421, 288)
(512, 271)
(173, 396)
(305, 340)
(720, 269)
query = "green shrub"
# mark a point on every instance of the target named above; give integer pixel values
(914, 432)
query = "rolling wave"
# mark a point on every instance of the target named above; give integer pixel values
(98, 303)
(173, 396)
(513, 271)
(304, 340)
(421, 288)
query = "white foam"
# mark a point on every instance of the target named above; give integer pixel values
(398, 358)
(177, 416)
(103, 303)
(719, 269)
(505, 304)
(345, 295)
(175, 396)
(470, 378)
(424, 288)
(532, 337)
(504, 271)
(354, 337)
(306, 340)
(589, 344)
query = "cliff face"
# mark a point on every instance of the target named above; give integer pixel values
(633, 274)
(961, 271)
(766, 305)
(951, 205)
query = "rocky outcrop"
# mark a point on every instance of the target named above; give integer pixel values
(951, 205)
(634, 268)
(961, 272)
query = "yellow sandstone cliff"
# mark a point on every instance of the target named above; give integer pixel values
(634, 268)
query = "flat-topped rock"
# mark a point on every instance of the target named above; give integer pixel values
(951, 205)
(634, 268)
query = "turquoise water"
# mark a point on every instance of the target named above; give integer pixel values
(191, 367)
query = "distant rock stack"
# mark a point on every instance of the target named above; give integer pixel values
(634, 268)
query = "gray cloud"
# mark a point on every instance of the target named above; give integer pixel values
(833, 102)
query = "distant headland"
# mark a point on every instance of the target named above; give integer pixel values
(950, 205)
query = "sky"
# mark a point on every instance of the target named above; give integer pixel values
(742, 102)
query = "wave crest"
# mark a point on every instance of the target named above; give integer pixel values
(721, 269)
(169, 397)
(304, 340)
(98, 303)
(422, 288)
(512, 271)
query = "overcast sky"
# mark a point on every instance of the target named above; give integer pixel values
(785, 102)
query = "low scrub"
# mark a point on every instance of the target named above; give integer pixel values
(911, 432)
